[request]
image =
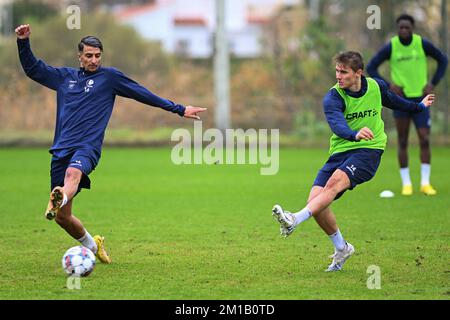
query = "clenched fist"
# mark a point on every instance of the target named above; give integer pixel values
(364, 134)
(23, 31)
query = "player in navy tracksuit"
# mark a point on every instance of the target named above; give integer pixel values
(85, 100)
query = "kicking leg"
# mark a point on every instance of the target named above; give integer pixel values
(60, 196)
(71, 182)
(337, 183)
(61, 205)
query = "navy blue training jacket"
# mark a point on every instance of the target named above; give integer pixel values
(85, 101)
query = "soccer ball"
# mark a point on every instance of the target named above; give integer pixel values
(78, 261)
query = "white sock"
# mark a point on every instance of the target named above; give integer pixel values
(404, 173)
(88, 242)
(338, 240)
(425, 170)
(302, 215)
(64, 200)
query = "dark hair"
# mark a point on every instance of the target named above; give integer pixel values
(90, 41)
(405, 17)
(350, 59)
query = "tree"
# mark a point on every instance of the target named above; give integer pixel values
(31, 10)
(301, 50)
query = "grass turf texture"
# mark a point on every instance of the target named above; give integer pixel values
(205, 232)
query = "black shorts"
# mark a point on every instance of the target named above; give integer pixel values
(360, 165)
(421, 119)
(76, 159)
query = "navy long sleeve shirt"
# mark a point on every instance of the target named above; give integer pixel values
(334, 107)
(430, 50)
(85, 101)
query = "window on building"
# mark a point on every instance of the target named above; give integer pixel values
(182, 47)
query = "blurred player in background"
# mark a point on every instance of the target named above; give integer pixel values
(407, 55)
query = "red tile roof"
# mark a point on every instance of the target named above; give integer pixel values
(136, 10)
(252, 19)
(189, 21)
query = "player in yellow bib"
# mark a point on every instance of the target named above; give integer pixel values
(407, 55)
(353, 111)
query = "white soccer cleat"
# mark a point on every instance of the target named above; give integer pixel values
(340, 256)
(286, 220)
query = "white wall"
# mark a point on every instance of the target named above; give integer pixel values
(155, 25)
(244, 38)
(246, 43)
(198, 39)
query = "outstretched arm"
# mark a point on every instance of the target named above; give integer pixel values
(36, 69)
(128, 88)
(192, 112)
(393, 101)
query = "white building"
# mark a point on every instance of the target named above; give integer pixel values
(5, 17)
(187, 27)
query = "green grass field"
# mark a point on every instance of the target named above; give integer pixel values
(206, 232)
